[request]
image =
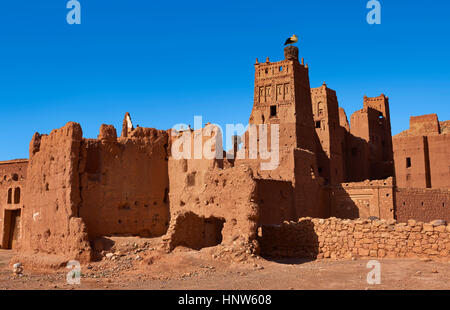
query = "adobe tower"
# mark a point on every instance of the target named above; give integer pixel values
(282, 96)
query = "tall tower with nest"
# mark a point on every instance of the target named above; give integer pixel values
(282, 96)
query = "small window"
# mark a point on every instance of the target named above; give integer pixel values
(273, 110)
(10, 196)
(408, 177)
(280, 68)
(408, 162)
(17, 195)
(318, 124)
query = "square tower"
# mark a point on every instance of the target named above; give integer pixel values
(330, 134)
(282, 96)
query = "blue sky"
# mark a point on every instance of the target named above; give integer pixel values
(165, 62)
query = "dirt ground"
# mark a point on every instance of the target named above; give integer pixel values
(134, 263)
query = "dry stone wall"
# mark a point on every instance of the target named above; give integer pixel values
(347, 239)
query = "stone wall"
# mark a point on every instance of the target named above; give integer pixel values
(422, 204)
(346, 239)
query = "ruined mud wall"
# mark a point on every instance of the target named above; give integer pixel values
(344, 239)
(422, 204)
(124, 183)
(363, 199)
(12, 186)
(224, 197)
(80, 189)
(50, 219)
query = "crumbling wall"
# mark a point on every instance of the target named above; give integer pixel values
(363, 199)
(229, 195)
(345, 239)
(51, 222)
(124, 183)
(422, 204)
(80, 189)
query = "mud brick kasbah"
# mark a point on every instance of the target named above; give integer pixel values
(342, 189)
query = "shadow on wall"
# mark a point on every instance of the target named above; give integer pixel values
(196, 232)
(279, 242)
(343, 207)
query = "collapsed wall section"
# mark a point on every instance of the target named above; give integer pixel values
(346, 239)
(227, 197)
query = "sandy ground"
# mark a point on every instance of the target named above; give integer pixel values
(143, 267)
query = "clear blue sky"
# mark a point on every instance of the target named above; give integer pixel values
(166, 61)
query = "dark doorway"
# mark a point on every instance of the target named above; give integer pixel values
(197, 232)
(11, 227)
